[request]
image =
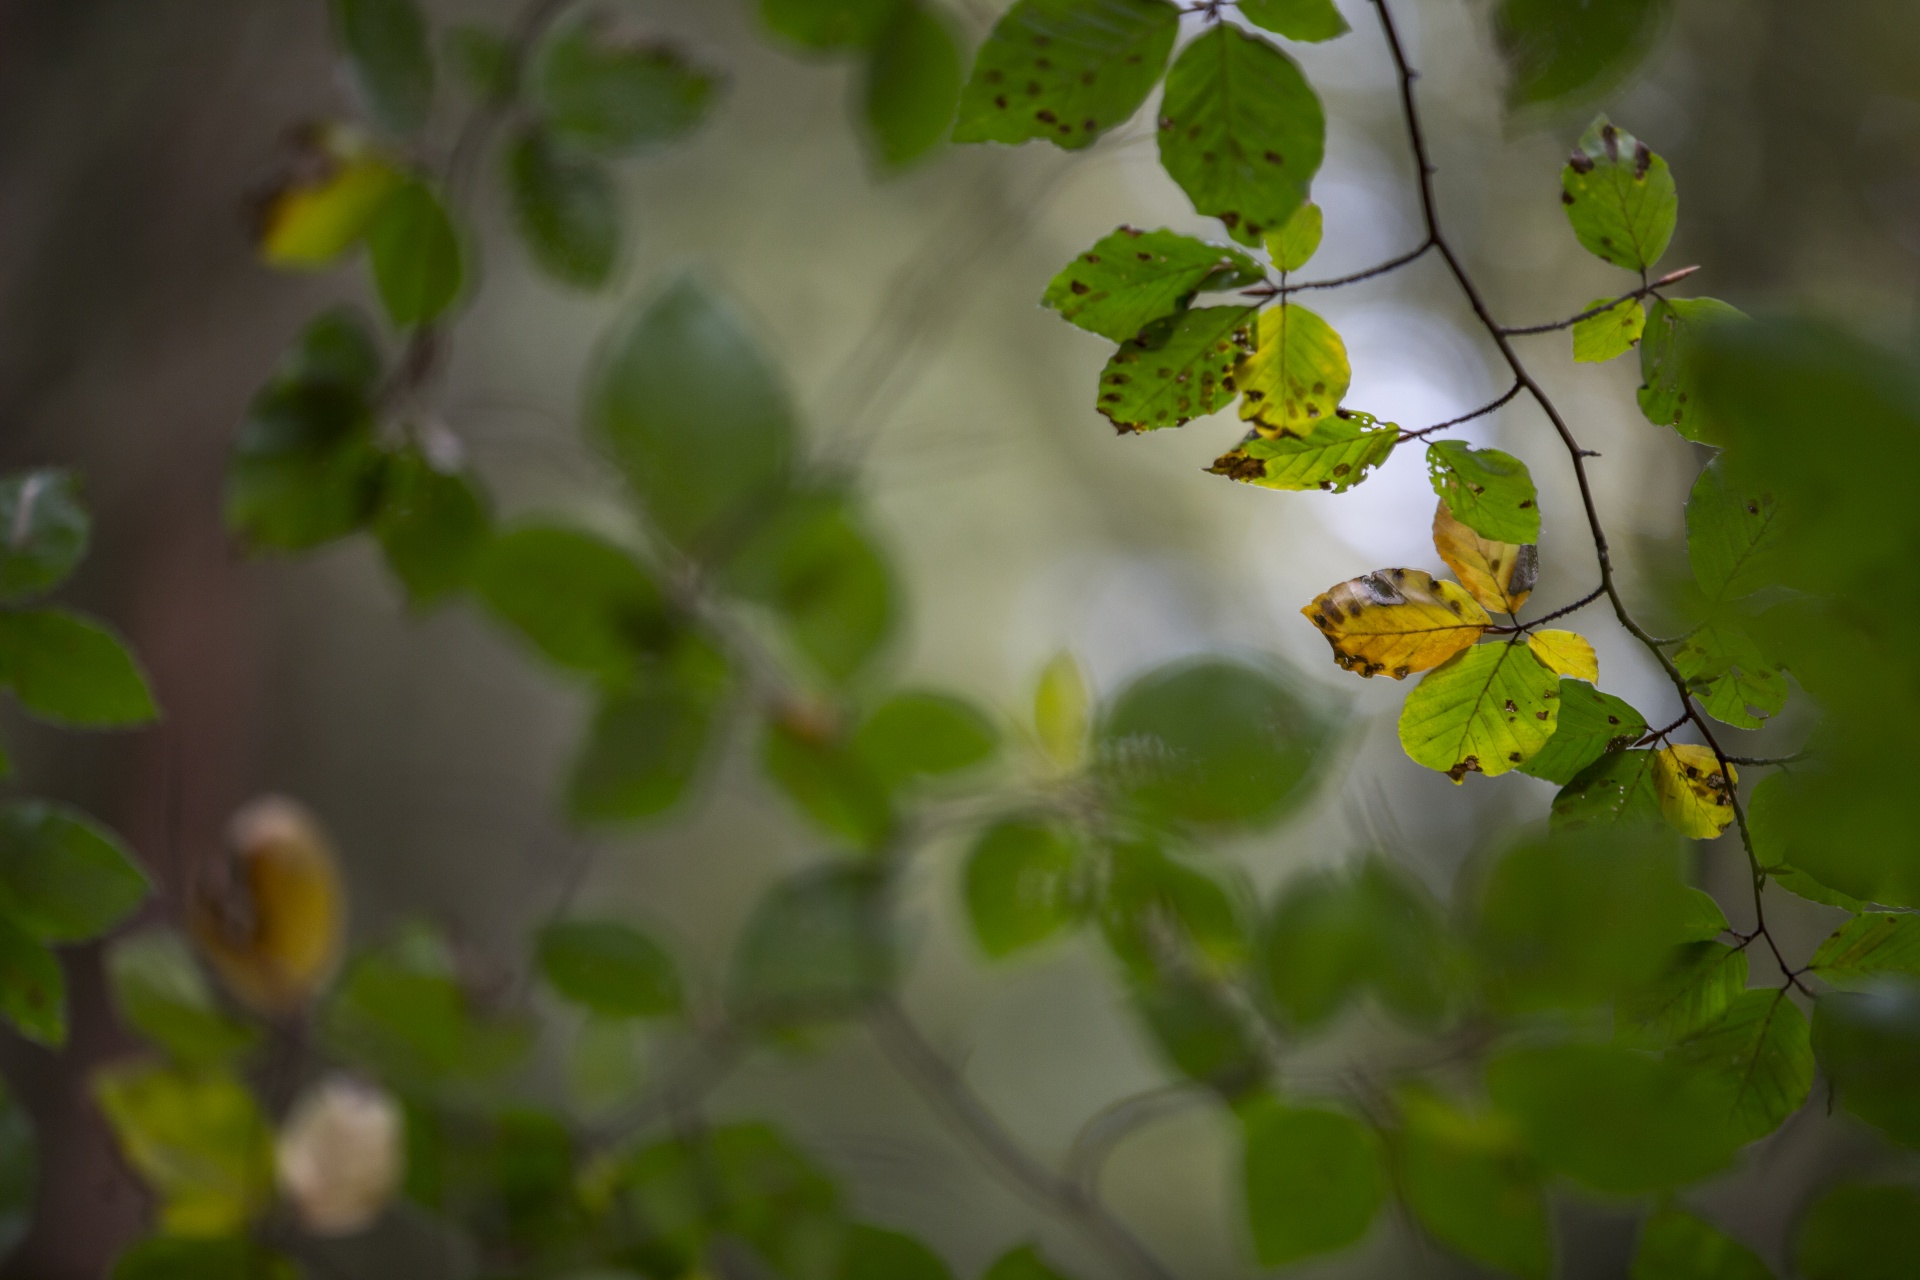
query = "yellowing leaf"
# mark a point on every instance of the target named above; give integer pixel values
(1500, 575)
(1060, 711)
(1567, 653)
(1613, 332)
(273, 929)
(1695, 797)
(324, 209)
(1337, 456)
(1485, 711)
(1292, 244)
(1396, 620)
(197, 1140)
(1296, 374)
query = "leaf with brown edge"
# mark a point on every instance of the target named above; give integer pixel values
(1178, 369)
(1397, 621)
(1296, 374)
(1500, 575)
(1565, 653)
(1696, 799)
(1338, 455)
(1487, 710)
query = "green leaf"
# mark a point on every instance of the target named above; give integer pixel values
(1760, 1060)
(1693, 992)
(1731, 676)
(599, 94)
(609, 968)
(305, 469)
(1241, 131)
(1868, 1044)
(921, 734)
(44, 530)
(584, 603)
(1485, 710)
(1296, 374)
(1675, 1245)
(1314, 1180)
(694, 414)
(828, 781)
(1291, 244)
(400, 1012)
(1336, 934)
(1773, 851)
(1210, 743)
(1612, 333)
(1554, 52)
(1669, 362)
(1591, 724)
(72, 670)
(1023, 884)
(1023, 1263)
(486, 62)
(1130, 279)
(870, 1253)
(912, 86)
(1469, 1182)
(33, 990)
(1336, 455)
(416, 256)
(1200, 1030)
(433, 525)
(1155, 906)
(1065, 70)
(829, 24)
(1732, 536)
(63, 877)
(813, 562)
(1618, 1121)
(1620, 198)
(1615, 790)
(1176, 370)
(385, 43)
(194, 1258)
(161, 992)
(198, 1141)
(565, 208)
(1060, 711)
(651, 738)
(1309, 20)
(1868, 947)
(819, 945)
(1488, 491)
(1858, 1231)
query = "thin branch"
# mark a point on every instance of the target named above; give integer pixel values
(1561, 612)
(1391, 264)
(1671, 277)
(1481, 412)
(1116, 1122)
(1761, 762)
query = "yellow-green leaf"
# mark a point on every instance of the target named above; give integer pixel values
(1613, 332)
(1397, 621)
(1335, 457)
(340, 187)
(1500, 575)
(1293, 242)
(198, 1141)
(1060, 711)
(1179, 369)
(1695, 797)
(1484, 711)
(1296, 374)
(1565, 653)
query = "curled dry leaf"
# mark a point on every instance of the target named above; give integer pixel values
(1397, 621)
(1500, 575)
(339, 1158)
(1695, 796)
(1566, 653)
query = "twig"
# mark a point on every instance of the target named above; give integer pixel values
(1561, 612)
(1672, 277)
(1391, 264)
(1117, 1121)
(1481, 412)
(1761, 762)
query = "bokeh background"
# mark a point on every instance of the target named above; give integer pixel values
(135, 323)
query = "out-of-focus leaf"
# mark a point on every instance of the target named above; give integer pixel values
(305, 469)
(1175, 370)
(829, 24)
(1614, 791)
(913, 85)
(1396, 621)
(818, 946)
(1334, 935)
(197, 1140)
(1620, 197)
(1499, 575)
(1554, 52)
(1859, 1231)
(1314, 1180)
(1731, 675)
(1296, 374)
(1130, 279)
(584, 603)
(1155, 905)
(1696, 798)
(1468, 1180)
(1565, 653)
(566, 209)
(1868, 1044)
(1201, 1031)
(1338, 454)
(1061, 713)
(432, 524)
(1065, 70)
(651, 738)
(1023, 1263)
(1675, 1245)
(336, 188)
(400, 1012)
(814, 563)
(603, 95)
(533, 1161)
(829, 781)
(416, 256)
(1591, 724)
(1732, 535)
(772, 1196)
(1292, 244)
(1759, 1060)
(1868, 947)
(610, 968)
(919, 734)
(161, 993)
(1692, 993)
(1309, 20)
(1612, 333)
(44, 529)
(64, 877)
(1485, 710)
(1023, 884)
(385, 42)
(1488, 491)
(189, 1258)
(870, 1253)
(485, 61)
(33, 990)
(72, 670)
(1770, 846)
(1669, 359)
(1242, 132)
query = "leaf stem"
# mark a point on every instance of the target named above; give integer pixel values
(1601, 309)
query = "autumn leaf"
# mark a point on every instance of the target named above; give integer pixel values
(1695, 797)
(1296, 374)
(1336, 456)
(1565, 653)
(1500, 575)
(1486, 710)
(334, 186)
(1397, 621)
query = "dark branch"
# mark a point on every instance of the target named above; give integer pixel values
(1561, 612)
(1671, 277)
(1481, 412)
(1761, 762)
(1391, 264)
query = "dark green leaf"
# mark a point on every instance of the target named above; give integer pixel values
(1731, 536)
(819, 945)
(1469, 1182)
(1692, 993)
(161, 993)
(1336, 455)
(1309, 20)
(33, 991)
(829, 781)
(336, 349)
(1176, 370)
(1023, 1263)
(1201, 1030)
(1731, 676)
(486, 62)
(1675, 1245)
(304, 469)
(1861, 1232)
(1614, 791)
(913, 85)
(385, 42)
(602, 95)
(921, 734)
(1159, 914)
(694, 414)
(829, 24)
(566, 210)
(1023, 884)
(1669, 360)
(650, 739)
(1313, 1180)
(63, 877)
(771, 1195)
(813, 562)
(1334, 935)
(416, 256)
(582, 602)
(1766, 824)
(432, 524)
(1131, 278)
(1592, 723)
(1868, 1044)
(1759, 1059)
(72, 670)
(1065, 70)
(610, 968)
(1241, 131)
(1488, 491)
(43, 532)
(1868, 947)
(873, 1254)
(189, 1258)
(1620, 198)
(196, 1138)
(400, 1012)
(1554, 51)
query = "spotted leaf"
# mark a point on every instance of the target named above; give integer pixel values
(1296, 374)
(1337, 456)
(1132, 278)
(1620, 197)
(1486, 710)
(1396, 621)
(1500, 575)
(1696, 798)
(1179, 369)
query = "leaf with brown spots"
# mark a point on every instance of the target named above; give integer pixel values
(1337, 456)
(1295, 376)
(1669, 391)
(1397, 622)
(1613, 332)
(1487, 710)
(1489, 491)
(1696, 798)
(1592, 725)
(1565, 653)
(1620, 197)
(1500, 575)
(1181, 368)
(1132, 278)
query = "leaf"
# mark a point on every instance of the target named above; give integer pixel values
(1061, 711)
(1488, 491)
(1868, 1045)
(1178, 369)
(1337, 455)
(1858, 1231)
(1292, 244)
(1732, 536)
(919, 734)
(1612, 333)
(819, 945)
(1698, 985)
(44, 529)
(385, 42)
(1309, 20)
(828, 24)
(870, 1253)
(433, 525)
(1669, 359)
(1500, 575)
(827, 780)
(1773, 852)
(1130, 279)
(1065, 70)
(651, 738)
(1023, 884)
(1209, 743)
(1676, 1245)
(1615, 790)
(1397, 621)
(305, 469)
(197, 1140)
(609, 968)
(1199, 1029)
(584, 603)
(1555, 53)
(1334, 935)
(1296, 374)
(33, 990)
(1241, 131)
(486, 62)
(1482, 711)
(1470, 1184)
(1759, 1060)
(63, 877)
(416, 256)
(913, 85)
(72, 670)
(160, 991)
(1313, 1180)
(1565, 653)
(1022, 1263)
(1155, 905)
(1868, 947)
(1731, 676)
(189, 1258)
(565, 208)
(1696, 798)
(400, 1013)
(338, 186)
(603, 95)
(1620, 198)
(694, 414)
(816, 565)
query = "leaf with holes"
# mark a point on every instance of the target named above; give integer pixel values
(1669, 357)
(1613, 332)
(1131, 278)
(1397, 621)
(1592, 724)
(1695, 797)
(1758, 1059)
(1620, 197)
(1730, 675)
(1179, 369)
(1483, 711)
(1338, 455)
(1565, 653)
(1500, 575)
(1296, 374)
(1733, 535)
(1870, 946)
(1489, 491)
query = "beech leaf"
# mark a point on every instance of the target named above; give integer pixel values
(1397, 621)
(1500, 575)
(1565, 653)
(1695, 797)
(1338, 455)
(1296, 374)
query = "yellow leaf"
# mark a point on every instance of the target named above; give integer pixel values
(272, 925)
(1396, 620)
(1567, 653)
(1060, 711)
(1695, 797)
(1500, 575)
(336, 187)
(197, 1140)
(1296, 374)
